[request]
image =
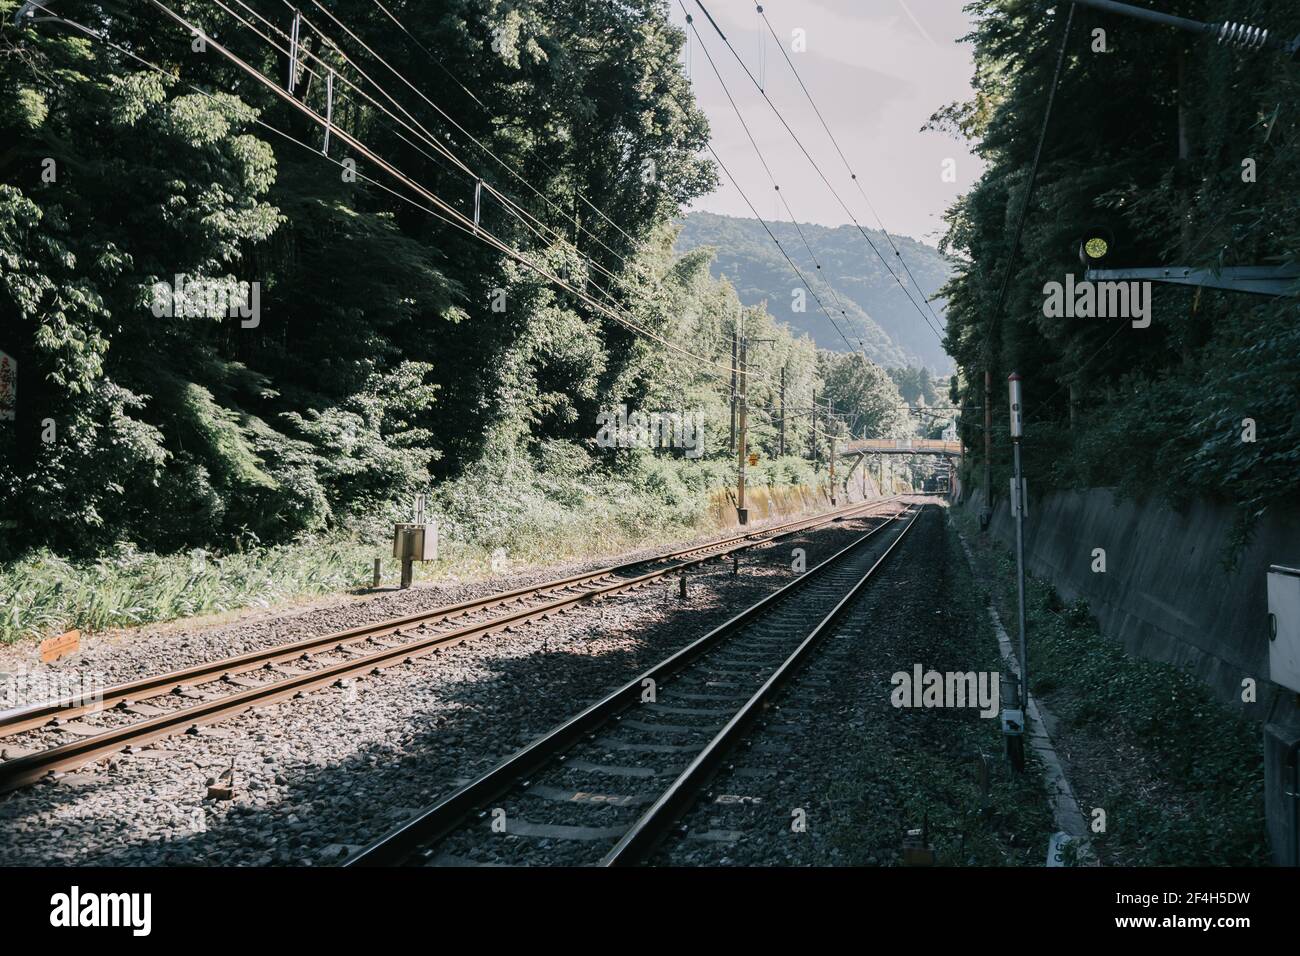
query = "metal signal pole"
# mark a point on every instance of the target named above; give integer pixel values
(833, 498)
(987, 515)
(1020, 506)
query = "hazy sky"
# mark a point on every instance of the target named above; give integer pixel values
(877, 70)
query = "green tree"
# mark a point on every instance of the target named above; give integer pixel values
(1147, 142)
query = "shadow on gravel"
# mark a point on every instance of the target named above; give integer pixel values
(290, 811)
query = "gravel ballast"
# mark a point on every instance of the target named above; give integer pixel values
(836, 774)
(339, 767)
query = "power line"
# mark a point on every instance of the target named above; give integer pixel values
(736, 183)
(616, 278)
(511, 206)
(519, 213)
(814, 164)
(852, 175)
(443, 211)
(765, 226)
(447, 155)
(466, 132)
(740, 116)
(531, 222)
(463, 222)
(596, 209)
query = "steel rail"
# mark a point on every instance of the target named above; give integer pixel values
(26, 769)
(646, 832)
(18, 720)
(447, 814)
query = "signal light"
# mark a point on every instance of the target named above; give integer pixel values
(1095, 246)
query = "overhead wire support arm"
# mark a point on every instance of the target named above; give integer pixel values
(329, 112)
(1229, 32)
(294, 42)
(453, 216)
(1282, 280)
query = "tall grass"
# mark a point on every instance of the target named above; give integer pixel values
(502, 515)
(43, 593)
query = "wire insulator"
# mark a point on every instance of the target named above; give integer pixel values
(1242, 35)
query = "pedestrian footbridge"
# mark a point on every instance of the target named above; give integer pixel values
(903, 446)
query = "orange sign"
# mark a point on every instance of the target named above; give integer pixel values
(52, 648)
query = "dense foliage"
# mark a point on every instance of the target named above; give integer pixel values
(1150, 142)
(392, 351)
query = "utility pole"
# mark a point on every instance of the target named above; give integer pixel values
(742, 513)
(830, 440)
(814, 430)
(735, 340)
(1019, 504)
(780, 447)
(834, 502)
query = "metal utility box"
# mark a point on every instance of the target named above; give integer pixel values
(1284, 626)
(415, 542)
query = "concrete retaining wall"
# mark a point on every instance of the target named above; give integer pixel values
(788, 501)
(1167, 596)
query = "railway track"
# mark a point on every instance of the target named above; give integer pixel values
(142, 711)
(612, 780)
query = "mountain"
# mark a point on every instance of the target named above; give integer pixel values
(852, 278)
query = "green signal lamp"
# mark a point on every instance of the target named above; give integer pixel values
(1095, 246)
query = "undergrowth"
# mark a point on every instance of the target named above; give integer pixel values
(1179, 774)
(495, 517)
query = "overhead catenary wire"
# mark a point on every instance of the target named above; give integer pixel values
(594, 208)
(443, 148)
(301, 50)
(530, 222)
(475, 140)
(762, 13)
(763, 161)
(448, 215)
(94, 34)
(616, 278)
(441, 211)
(460, 220)
(772, 236)
(536, 226)
(829, 185)
(513, 207)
